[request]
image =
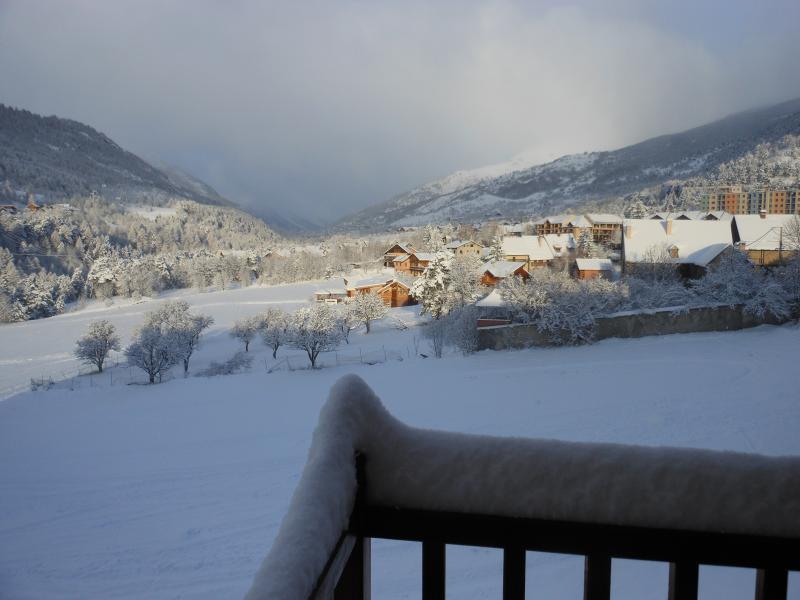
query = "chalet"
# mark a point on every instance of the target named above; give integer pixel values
(593, 268)
(465, 248)
(394, 292)
(495, 272)
(420, 262)
(606, 228)
(396, 250)
(32, 205)
(531, 250)
(692, 246)
(767, 239)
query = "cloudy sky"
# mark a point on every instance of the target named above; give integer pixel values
(322, 108)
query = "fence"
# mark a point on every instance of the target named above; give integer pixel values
(602, 501)
(632, 324)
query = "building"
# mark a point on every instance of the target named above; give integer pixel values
(495, 272)
(557, 224)
(606, 228)
(465, 248)
(692, 246)
(394, 292)
(767, 239)
(331, 296)
(412, 264)
(593, 268)
(396, 250)
(531, 250)
(751, 200)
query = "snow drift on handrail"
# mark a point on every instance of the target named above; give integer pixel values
(431, 470)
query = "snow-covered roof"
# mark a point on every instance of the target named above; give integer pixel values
(763, 233)
(594, 264)
(581, 221)
(502, 268)
(371, 282)
(458, 243)
(492, 300)
(331, 292)
(515, 228)
(560, 240)
(428, 256)
(607, 218)
(400, 258)
(698, 242)
(563, 219)
(407, 248)
(535, 247)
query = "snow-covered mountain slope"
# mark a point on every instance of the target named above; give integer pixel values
(57, 157)
(514, 189)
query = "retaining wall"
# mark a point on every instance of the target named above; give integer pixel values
(631, 325)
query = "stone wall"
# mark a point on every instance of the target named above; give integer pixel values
(629, 325)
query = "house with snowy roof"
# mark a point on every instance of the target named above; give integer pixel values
(394, 292)
(593, 268)
(692, 246)
(412, 264)
(531, 250)
(556, 224)
(767, 239)
(495, 272)
(606, 228)
(397, 249)
(465, 248)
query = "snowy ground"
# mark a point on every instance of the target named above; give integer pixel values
(177, 490)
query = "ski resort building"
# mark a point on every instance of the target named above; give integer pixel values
(465, 248)
(692, 246)
(394, 292)
(396, 251)
(531, 250)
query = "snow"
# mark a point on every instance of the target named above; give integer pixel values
(594, 264)
(492, 300)
(178, 489)
(604, 218)
(763, 233)
(152, 212)
(698, 242)
(502, 268)
(533, 246)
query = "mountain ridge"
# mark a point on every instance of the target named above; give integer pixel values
(589, 177)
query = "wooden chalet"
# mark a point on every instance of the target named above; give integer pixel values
(593, 268)
(767, 239)
(465, 248)
(393, 291)
(495, 272)
(395, 251)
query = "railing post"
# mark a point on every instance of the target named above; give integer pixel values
(772, 584)
(683, 577)
(513, 573)
(355, 581)
(433, 569)
(597, 577)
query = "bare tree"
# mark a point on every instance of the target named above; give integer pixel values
(246, 330)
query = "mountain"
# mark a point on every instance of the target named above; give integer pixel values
(511, 190)
(57, 158)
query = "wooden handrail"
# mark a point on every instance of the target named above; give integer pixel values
(685, 550)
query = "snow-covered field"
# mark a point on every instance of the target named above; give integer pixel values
(177, 490)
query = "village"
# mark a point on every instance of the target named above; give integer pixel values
(591, 246)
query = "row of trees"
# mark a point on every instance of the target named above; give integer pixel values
(314, 329)
(168, 337)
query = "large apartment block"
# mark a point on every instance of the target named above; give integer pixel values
(740, 201)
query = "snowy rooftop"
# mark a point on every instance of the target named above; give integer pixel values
(458, 243)
(533, 246)
(400, 258)
(428, 256)
(763, 233)
(697, 242)
(407, 248)
(605, 218)
(492, 300)
(671, 488)
(581, 221)
(594, 264)
(563, 219)
(560, 241)
(502, 268)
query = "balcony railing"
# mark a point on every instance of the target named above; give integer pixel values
(601, 501)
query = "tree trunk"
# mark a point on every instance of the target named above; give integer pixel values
(152, 377)
(100, 367)
(274, 352)
(247, 346)
(185, 367)
(367, 324)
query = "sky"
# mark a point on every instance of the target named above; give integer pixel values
(319, 108)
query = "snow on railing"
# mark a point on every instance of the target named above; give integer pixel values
(619, 498)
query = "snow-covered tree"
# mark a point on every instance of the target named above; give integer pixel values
(432, 239)
(463, 281)
(367, 308)
(174, 320)
(637, 209)
(314, 330)
(347, 319)
(245, 330)
(275, 329)
(430, 288)
(95, 345)
(154, 351)
(496, 253)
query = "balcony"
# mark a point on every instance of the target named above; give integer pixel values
(370, 476)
